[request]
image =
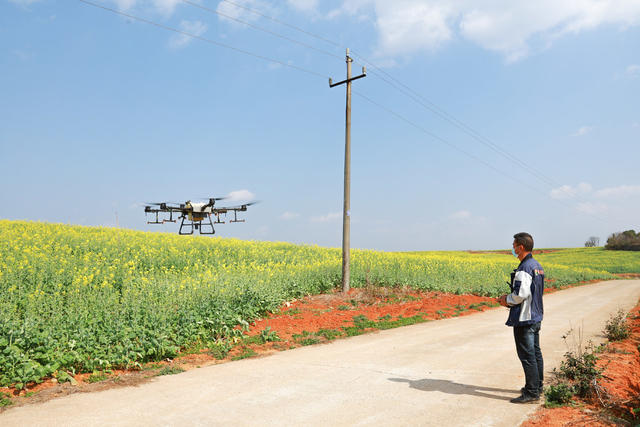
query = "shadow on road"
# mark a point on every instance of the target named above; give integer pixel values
(450, 387)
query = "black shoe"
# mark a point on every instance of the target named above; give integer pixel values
(525, 399)
(540, 391)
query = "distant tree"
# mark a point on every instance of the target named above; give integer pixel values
(625, 241)
(592, 242)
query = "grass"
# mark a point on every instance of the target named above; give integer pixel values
(246, 353)
(5, 400)
(170, 370)
(97, 377)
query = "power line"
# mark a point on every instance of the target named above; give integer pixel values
(204, 39)
(286, 24)
(413, 95)
(403, 88)
(455, 147)
(256, 27)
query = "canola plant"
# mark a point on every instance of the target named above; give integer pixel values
(80, 299)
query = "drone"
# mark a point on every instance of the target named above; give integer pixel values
(194, 215)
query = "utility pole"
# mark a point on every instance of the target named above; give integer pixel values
(346, 211)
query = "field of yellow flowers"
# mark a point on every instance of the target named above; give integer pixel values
(79, 299)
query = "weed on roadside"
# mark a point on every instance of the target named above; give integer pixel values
(558, 395)
(578, 373)
(617, 328)
(219, 349)
(5, 400)
(170, 370)
(97, 377)
(246, 353)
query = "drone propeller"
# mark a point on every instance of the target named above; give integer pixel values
(244, 205)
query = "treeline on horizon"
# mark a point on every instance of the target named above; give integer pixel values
(624, 241)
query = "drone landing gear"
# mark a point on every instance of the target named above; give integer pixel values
(202, 226)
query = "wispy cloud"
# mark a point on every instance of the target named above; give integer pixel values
(24, 2)
(619, 191)
(633, 70)
(304, 5)
(287, 216)
(240, 196)
(460, 215)
(195, 28)
(568, 191)
(584, 130)
(591, 208)
(23, 55)
(241, 10)
(332, 216)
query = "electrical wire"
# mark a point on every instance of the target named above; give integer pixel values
(204, 39)
(264, 30)
(410, 93)
(278, 21)
(466, 153)
(390, 80)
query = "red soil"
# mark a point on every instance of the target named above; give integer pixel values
(333, 311)
(310, 314)
(621, 383)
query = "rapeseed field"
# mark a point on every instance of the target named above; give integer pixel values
(79, 299)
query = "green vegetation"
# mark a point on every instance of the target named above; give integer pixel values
(625, 241)
(5, 400)
(617, 328)
(170, 370)
(246, 353)
(96, 377)
(81, 299)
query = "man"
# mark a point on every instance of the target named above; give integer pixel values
(525, 315)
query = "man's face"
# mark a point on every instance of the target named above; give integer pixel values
(517, 247)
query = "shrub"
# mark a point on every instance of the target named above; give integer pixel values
(558, 395)
(579, 368)
(617, 328)
(625, 241)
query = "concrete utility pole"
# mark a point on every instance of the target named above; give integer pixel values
(346, 211)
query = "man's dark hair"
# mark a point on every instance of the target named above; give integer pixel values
(525, 240)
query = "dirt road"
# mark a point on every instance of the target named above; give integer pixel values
(454, 372)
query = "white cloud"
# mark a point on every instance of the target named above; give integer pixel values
(504, 26)
(582, 131)
(125, 4)
(460, 215)
(289, 215)
(592, 208)
(23, 55)
(406, 26)
(240, 196)
(635, 125)
(243, 13)
(24, 2)
(332, 216)
(195, 28)
(619, 191)
(304, 5)
(567, 191)
(633, 70)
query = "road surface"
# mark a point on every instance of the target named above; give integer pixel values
(454, 372)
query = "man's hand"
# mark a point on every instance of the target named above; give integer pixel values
(503, 301)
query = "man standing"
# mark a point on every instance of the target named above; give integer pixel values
(525, 315)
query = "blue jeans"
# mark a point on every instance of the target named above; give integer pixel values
(528, 347)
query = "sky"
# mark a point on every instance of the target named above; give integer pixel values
(476, 120)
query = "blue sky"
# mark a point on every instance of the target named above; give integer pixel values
(101, 113)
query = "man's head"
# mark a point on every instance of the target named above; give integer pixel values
(522, 244)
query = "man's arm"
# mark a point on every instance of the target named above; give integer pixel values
(521, 289)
